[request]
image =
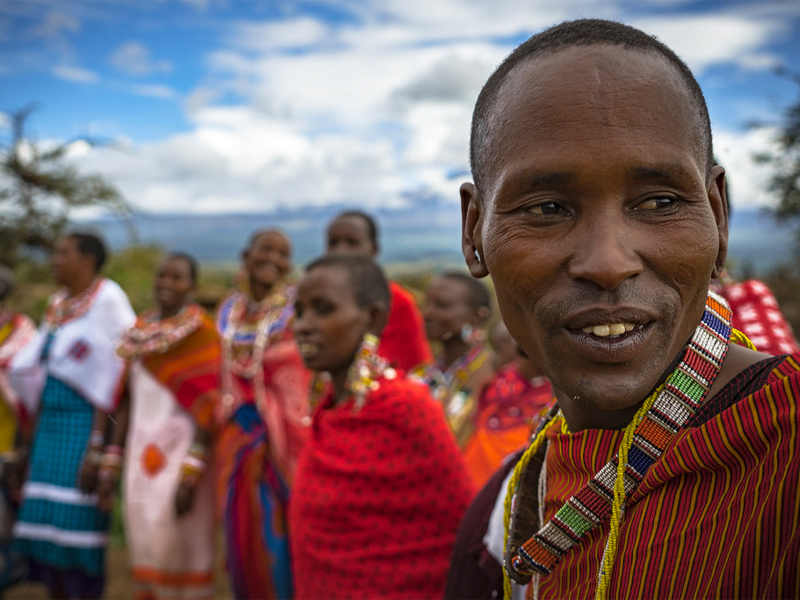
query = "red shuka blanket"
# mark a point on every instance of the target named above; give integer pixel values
(377, 499)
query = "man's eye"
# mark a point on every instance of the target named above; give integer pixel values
(656, 203)
(547, 208)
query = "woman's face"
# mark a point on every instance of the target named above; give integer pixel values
(173, 284)
(329, 324)
(447, 309)
(268, 259)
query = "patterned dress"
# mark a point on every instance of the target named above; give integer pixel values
(263, 427)
(59, 529)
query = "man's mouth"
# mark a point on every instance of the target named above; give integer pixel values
(609, 329)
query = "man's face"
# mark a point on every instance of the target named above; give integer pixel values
(67, 262)
(597, 222)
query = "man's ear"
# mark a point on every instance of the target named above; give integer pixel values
(718, 198)
(377, 316)
(471, 220)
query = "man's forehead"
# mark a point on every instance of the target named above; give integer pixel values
(556, 97)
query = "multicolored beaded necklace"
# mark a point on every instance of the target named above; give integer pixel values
(62, 308)
(151, 334)
(445, 383)
(663, 414)
(245, 337)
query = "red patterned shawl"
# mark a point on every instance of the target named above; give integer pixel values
(377, 498)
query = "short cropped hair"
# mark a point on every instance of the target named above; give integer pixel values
(90, 244)
(367, 278)
(189, 260)
(477, 294)
(581, 32)
(372, 225)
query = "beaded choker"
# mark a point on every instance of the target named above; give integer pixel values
(664, 414)
(444, 383)
(62, 308)
(245, 336)
(151, 334)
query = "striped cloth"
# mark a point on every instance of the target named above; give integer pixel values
(718, 516)
(58, 527)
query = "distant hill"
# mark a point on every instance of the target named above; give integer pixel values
(425, 238)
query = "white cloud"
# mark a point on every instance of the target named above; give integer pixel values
(76, 74)
(305, 112)
(134, 58)
(5, 122)
(278, 35)
(747, 178)
(56, 23)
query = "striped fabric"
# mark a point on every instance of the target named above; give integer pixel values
(58, 526)
(677, 402)
(190, 370)
(717, 516)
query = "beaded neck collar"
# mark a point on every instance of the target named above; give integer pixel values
(62, 308)
(673, 405)
(151, 334)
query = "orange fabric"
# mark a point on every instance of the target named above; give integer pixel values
(190, 370)
(506, 408)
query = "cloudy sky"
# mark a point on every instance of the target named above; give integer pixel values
(234, 105)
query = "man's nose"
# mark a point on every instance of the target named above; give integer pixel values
(605, 253)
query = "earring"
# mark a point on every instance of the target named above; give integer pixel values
(472, 335)
(366, 368)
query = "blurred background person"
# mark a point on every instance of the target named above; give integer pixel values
(456, 310)
(506, 409)
(381, 486)
(164, 423)
(264, 419)
(403, 342)
(16, 330)
(67, 376)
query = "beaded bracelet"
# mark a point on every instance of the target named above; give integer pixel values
(97, 439)
(198, 450)
(192, 467)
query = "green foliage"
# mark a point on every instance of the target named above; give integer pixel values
(38, 189)
(133, 269)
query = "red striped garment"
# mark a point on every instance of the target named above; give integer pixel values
(718, 516)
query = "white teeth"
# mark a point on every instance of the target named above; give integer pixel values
(306, 348)
(609, 329)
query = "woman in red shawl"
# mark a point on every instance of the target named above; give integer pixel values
(381, 486)
(403, 343)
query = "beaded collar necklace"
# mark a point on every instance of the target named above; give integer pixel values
(665, 413)
(444, 383)
(62, 308)
(152, 334)
(244, 340)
